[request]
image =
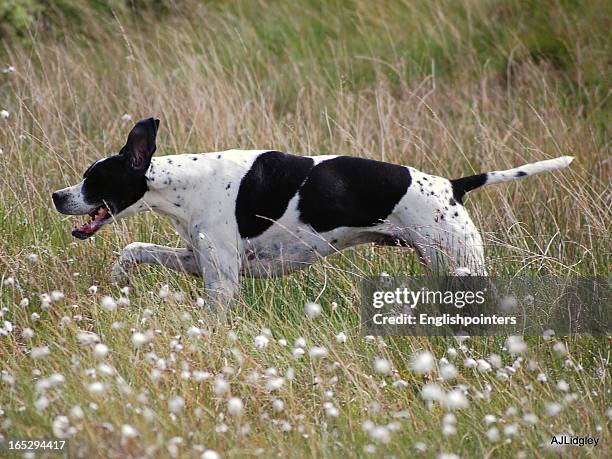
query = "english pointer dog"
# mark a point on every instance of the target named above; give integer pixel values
(267, 213)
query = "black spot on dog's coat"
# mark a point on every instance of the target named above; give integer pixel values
(521, 174)
(463, 185)
(267, 188)
(348, 191)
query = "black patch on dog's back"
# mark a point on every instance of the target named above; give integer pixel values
(348, 191)
(266, 190)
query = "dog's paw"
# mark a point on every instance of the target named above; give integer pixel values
(119, 273)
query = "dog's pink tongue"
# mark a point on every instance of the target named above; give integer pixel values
(102, 214)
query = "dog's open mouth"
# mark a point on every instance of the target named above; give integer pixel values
(97, 217)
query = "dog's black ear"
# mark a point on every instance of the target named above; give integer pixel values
(140, 144)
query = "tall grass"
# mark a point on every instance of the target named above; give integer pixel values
(450, 88)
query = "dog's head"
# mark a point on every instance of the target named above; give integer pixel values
(111, 185)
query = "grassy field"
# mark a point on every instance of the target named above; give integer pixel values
(448, 87)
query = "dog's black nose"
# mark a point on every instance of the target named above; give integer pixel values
(57, 198)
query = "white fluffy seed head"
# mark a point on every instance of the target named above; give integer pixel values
(312, 310)
(100, 350)
(423, 362)
(108, 303)
(455, 400)
(127, 431)
(318, 352)
(176, 404)
(341, 338)
(96, 388)
(235, 406)
(515, 345)
(210, 454)
(261, 341)
(382, 366)
(139, 339)
(448, 371)
(432, 391)
(40, 352)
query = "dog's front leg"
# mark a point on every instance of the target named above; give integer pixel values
(219, 260)
(140, 252)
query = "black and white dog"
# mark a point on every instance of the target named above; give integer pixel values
(267, 213)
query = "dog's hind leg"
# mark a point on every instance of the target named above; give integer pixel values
(447, 249)
(141, 252)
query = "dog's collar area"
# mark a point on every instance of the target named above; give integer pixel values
(97, 218)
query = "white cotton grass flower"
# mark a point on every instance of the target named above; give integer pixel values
(495, 360)
(455, 400)
(318, 352)
(553, 409)
(139, 339)
(380, 434)
(164, 291)
(509, 303)
(448, 456)
(126, 117)
(462, 271)
(312, 310)
(176, 404)
(278, 405)
(128, 431)
(41, 403)
(420, 447)
(341, 338)
(483, 365)
(297, 352)
(490, 419)
(100, 350)
(194, 332)
(382, 366)
(560, 348)
(562, 385)
(210, 454)
(4, 114)
(92, 290)
(493, 435)
(273, 384)
(548, 334)
(530, 418)
(261, 341)
(96, 388)
(432, 392)
(27, 333)
(61, 427)
(76, 413)
(511, 430)
(56, 295)
(515, 345)
(448, 371)
(220, 386)
(422, 362)
(40, 352)
(235, 406)
(108, 303)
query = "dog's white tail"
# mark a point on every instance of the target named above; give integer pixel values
(465, 184)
